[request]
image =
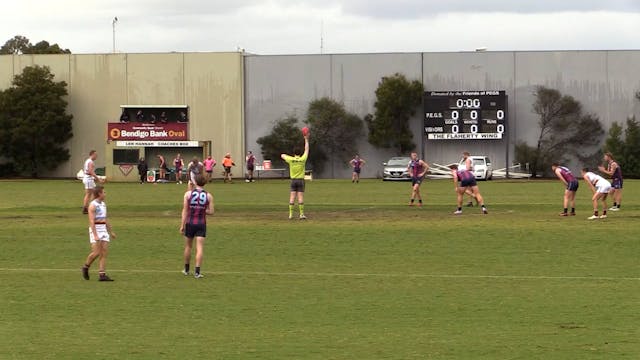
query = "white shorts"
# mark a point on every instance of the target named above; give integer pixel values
(89, 183)
(603, 187)
(103, 234)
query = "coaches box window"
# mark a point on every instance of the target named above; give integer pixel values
(126, 156)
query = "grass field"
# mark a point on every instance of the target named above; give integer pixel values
(366, 277)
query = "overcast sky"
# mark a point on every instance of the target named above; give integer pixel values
(349, 26)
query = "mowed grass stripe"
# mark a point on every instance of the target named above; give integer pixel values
(330, 274)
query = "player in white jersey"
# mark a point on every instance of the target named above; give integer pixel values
(89, 179)
(100, 234)
(600, 188)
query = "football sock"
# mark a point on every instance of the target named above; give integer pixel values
(420, 201)
(573, 210)
(412, 200)
(290, 209)
(86, 266)
(595, 212)
(301, 207)
(459, 208)
(186, 267)
(615, 204)
(604, 212)
(197, 269)
(565, 210)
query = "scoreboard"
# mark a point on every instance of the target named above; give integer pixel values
(459, 115)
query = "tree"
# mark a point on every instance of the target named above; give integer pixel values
(283, 139)
(16, 45)
(614, 142)
(396, 102)
(34, 125)
(43, 47)
(565, 131)
(630, 161)
(335, 131)
(21, 45)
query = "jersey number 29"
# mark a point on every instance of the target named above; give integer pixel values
(198, 198)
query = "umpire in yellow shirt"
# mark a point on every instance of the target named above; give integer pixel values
(297, 165)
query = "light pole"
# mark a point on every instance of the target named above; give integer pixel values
(113, 24)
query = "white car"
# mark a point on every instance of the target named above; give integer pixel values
(482, 168)
(396, 169)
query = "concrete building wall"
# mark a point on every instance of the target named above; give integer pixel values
(279, 86)
(97, 88)
(214, 86)
(213, 89)
(603, 81)
(209, 83)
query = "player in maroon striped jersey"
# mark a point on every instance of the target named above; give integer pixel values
(196, 205)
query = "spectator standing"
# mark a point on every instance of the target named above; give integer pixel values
(227, 163)
(178, 164)
(209, 164)
(251, 161)
(163, 167)
(142, 170)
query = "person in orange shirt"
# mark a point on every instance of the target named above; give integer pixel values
(227, 163)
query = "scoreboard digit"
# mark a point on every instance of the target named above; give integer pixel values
(458, 115)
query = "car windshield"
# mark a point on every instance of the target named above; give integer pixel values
(478, 161)
(398, 162)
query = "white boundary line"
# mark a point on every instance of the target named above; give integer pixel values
(326, 274)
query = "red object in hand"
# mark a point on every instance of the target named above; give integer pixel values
(305, 131)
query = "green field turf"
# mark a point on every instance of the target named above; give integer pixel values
(366, 277)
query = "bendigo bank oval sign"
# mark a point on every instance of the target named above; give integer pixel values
(143, 131)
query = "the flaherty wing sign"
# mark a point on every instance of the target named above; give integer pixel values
(146, 131)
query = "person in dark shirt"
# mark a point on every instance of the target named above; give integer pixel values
(418, 169)
(183, 117)
(251, 161)
(464, 180)
(571, 186)
(142, 170)
(140, 116)
(614, 170)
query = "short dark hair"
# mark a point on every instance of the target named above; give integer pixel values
(585, 169)
(555, 163)
(92, 152)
